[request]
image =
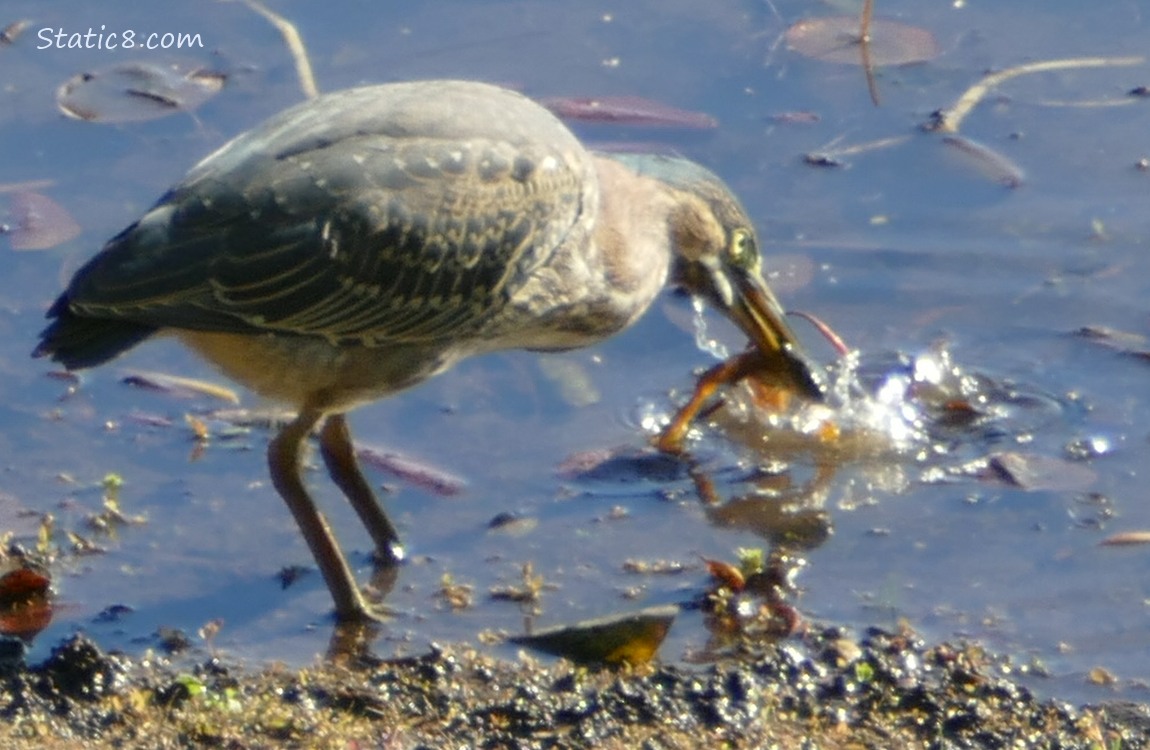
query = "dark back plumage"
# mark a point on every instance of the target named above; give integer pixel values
(365, 217)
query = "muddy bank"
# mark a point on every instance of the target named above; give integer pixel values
(828, 689)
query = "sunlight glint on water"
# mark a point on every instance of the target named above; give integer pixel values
(703, 338)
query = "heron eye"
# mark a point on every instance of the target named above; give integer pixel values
(742, 249)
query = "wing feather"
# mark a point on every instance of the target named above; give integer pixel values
(402, 212)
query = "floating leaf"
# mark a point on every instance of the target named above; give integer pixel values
(39, 222)
(628, 110)
(137, 91)
(630, 638)
(836, 39)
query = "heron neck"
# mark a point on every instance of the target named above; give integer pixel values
(633, 232)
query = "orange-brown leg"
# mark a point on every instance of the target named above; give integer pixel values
(339, 456)
(728, 371)
(284, 462)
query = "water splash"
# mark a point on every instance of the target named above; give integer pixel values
(888, 415)
(885, 409)
(922, 405)
(925, 404)
(703, 339)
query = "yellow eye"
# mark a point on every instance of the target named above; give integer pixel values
(742, 249)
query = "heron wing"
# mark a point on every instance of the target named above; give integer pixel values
(381, 232)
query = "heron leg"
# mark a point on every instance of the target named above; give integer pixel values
(339, 456)
(284, 454)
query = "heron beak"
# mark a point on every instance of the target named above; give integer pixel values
(755, 309)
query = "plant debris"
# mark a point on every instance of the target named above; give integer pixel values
(830, 688)
(130, 92)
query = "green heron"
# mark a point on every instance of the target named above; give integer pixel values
(360, 242)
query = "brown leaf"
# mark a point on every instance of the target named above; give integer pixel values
(629, 638)
(725, 574)
(22, 583)
(25, 604)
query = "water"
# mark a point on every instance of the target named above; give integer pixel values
(917, 258)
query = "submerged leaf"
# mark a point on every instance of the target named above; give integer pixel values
(991, 164)
(625, 465)
(836, 39)
(628, 110)
(422, 475)
(39, 222)
(575, 384)
(1031, 472)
